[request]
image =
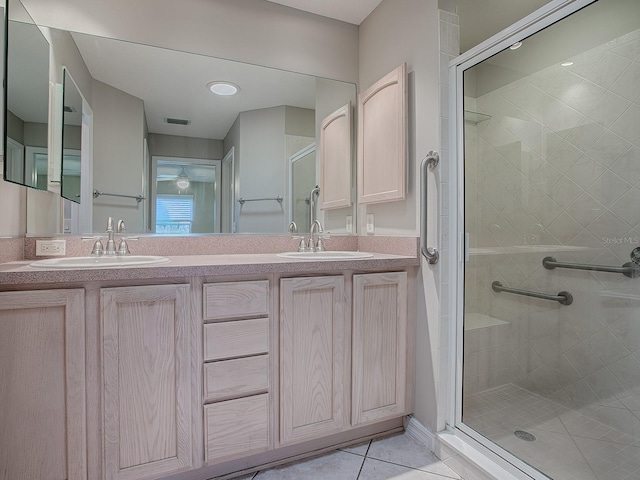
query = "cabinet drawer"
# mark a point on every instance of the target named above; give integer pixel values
(236, 339)
(233, 378)
(236, 299)
(236, 428)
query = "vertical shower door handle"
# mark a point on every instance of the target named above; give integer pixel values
(429, 163)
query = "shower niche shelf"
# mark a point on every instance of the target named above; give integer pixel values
(475, 117)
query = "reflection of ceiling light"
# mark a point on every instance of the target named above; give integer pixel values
(566, 64)
(516, 46)
(182, 181)
(224, 89)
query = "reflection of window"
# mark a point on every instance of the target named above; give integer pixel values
(174, 213)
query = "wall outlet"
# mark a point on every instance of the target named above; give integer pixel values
(349, 226)
(370, 227)
(49, 248)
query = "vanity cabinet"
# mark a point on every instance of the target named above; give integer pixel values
(380, 360)
(314, 357)
(236, 381)
(42, 385)
(147, 381)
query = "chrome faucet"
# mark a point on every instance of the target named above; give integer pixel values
(315, 192)
(110, 248)
(313, 246)
(123, 248)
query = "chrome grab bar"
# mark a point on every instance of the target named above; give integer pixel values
(430, 253)
(628, 269)
(564, 298)
(97, 193)
(242, 200)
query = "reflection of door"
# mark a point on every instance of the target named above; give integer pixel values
(550, 163)
(36, 167)
(15, 161)
(188, 191)
(302, 179)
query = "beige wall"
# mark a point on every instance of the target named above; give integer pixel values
(404, 31)
(185, 147)
(407, 31)
(118, 156)
(260, 170)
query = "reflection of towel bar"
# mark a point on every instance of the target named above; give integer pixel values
(97, 193)
(241, 200)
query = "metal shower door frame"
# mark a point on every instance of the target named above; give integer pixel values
(551, 13)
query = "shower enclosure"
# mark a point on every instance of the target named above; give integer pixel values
(549, 142)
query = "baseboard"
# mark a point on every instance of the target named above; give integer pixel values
(419, 432)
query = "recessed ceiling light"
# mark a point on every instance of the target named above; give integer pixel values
(566, 64)
(225, 89)
(516, 46)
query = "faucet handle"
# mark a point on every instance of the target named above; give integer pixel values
(110, 224)
(98, 247)
(123, 247)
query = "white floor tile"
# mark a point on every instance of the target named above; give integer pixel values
(333, 466)
(378, 470)
(403, 450)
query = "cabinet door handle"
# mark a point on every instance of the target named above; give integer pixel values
(429, 163)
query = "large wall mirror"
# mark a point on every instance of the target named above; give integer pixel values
(158, 123)
(27, 99)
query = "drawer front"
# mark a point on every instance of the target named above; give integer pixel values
(236, 428)
(236, 339)
(233, 378)
(236, 300)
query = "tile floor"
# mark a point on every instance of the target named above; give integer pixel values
(569, 445)
(397, 457)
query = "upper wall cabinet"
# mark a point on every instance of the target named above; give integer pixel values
(335, 159)
(382, 139)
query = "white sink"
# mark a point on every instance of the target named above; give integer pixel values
(110, 261)
(346, 255)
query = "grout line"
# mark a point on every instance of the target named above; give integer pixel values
(364, 459)
(416, 469)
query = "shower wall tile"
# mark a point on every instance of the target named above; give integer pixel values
(555, 166)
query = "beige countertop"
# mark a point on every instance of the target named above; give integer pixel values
(21, 273)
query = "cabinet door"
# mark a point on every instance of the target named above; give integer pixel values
(382, 139)
(335, 159)
(147, 414)
(42, 385)
(313, 358)
(379, 346)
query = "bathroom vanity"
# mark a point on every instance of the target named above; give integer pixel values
(200, 367)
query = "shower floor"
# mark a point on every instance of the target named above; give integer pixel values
(568, 445)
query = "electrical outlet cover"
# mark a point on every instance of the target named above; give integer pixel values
(370, 224)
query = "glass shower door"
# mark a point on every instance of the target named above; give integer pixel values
(551, 356)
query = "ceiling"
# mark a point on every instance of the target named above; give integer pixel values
(180, 91)
(350, 11)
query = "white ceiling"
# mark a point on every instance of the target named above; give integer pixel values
(180, 90)
(350, 11)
